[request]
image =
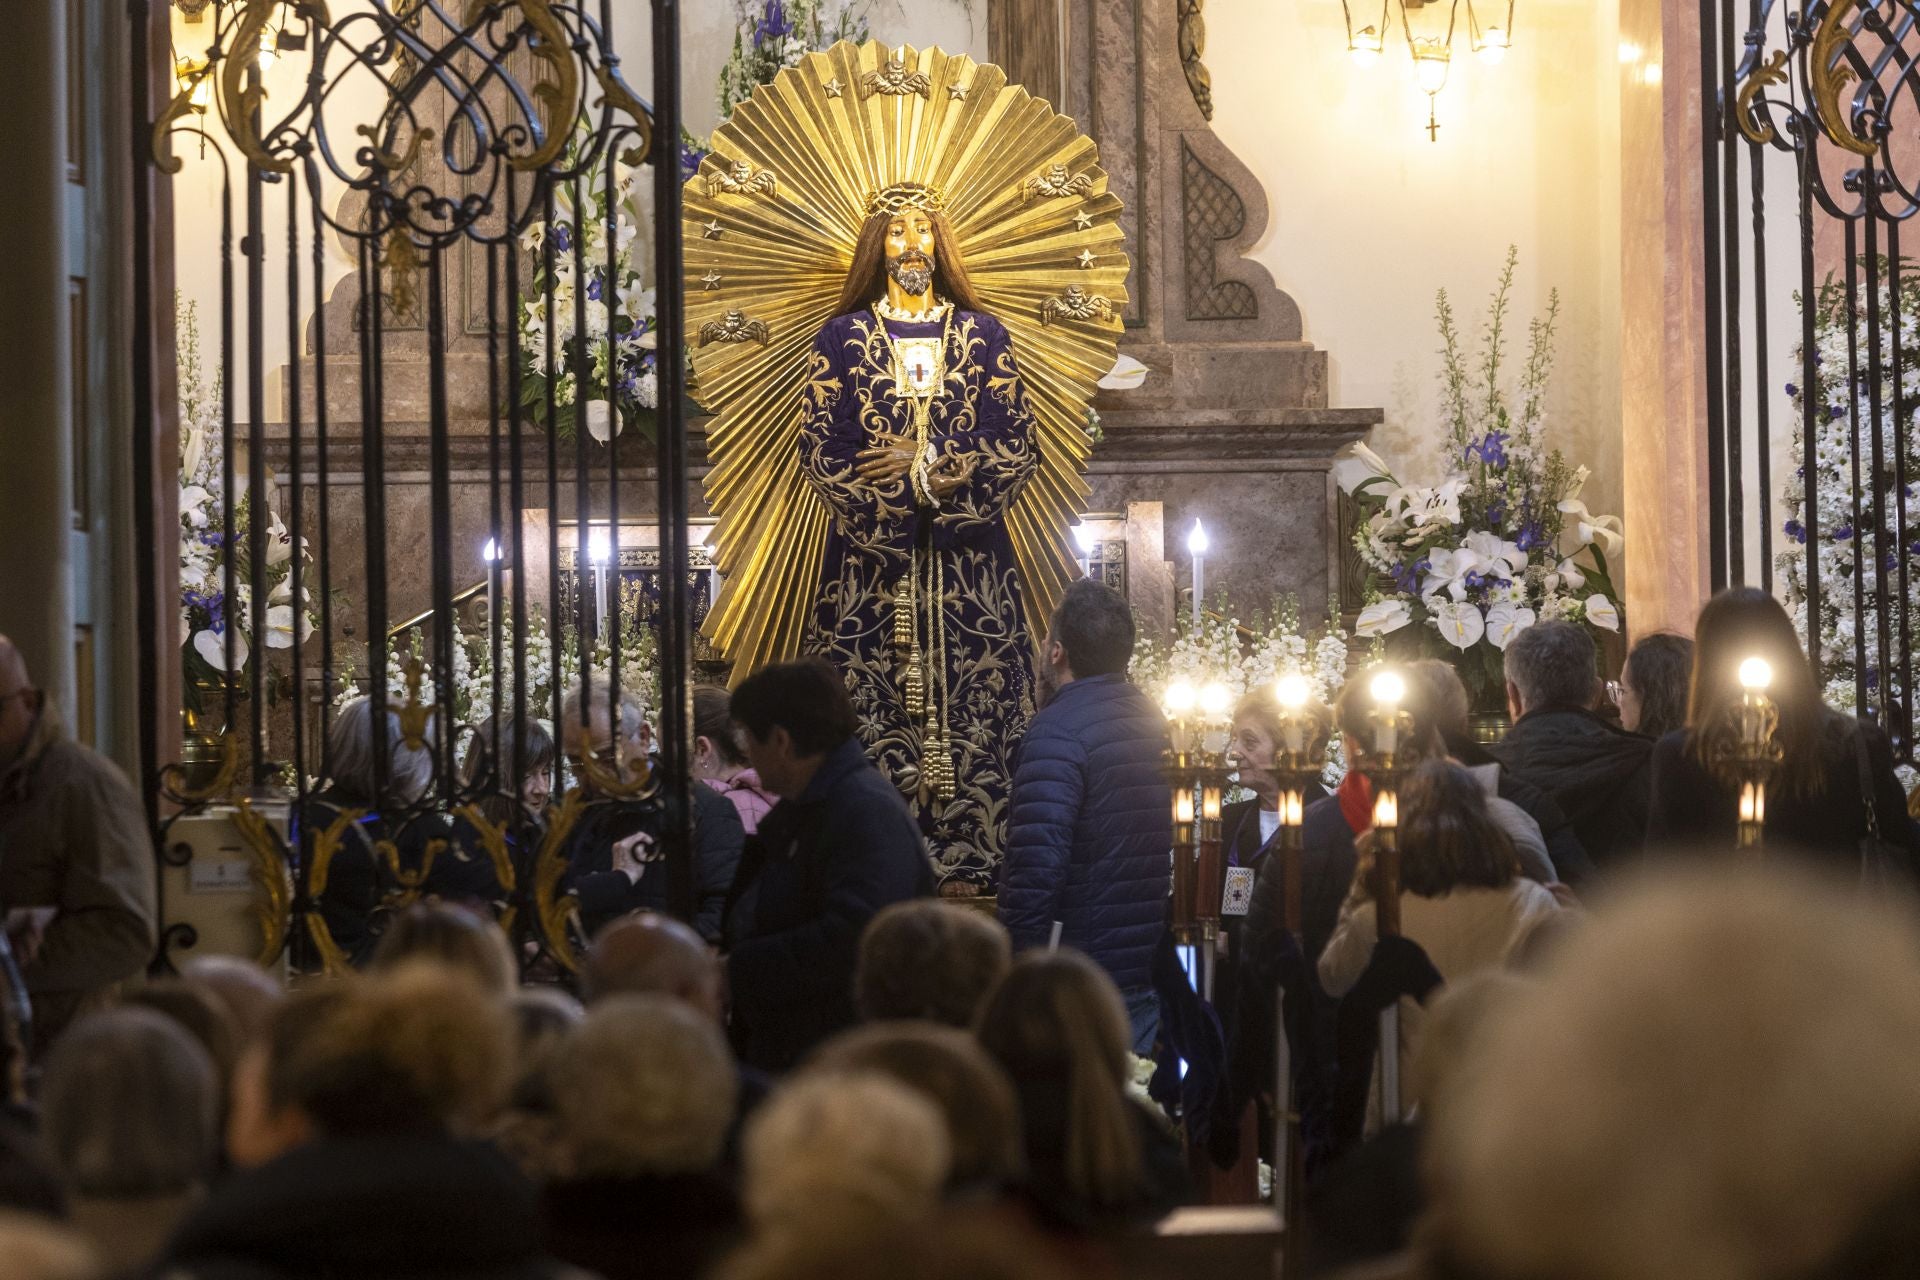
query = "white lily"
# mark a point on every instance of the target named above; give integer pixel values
(1565, 574)
(1383, 617)
(193, 451)
(1447, 570)
(1495, 554)
(1601, 613)
(1356, 464)
(280, 627)
(279, 542)
(1126, 374)
(193, 505)
(213, 647)
(1505, 621)
(1589, 528)
(1460, 624)
(1438, 505)
(602, 423)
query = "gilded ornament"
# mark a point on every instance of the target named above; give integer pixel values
(735, 327)
(710, 230)
(238, 102)
(410, 881)
(1082, 219)
(614, 90)
(1076, 304)
(1828, 75)
(561, 93)
(393, 161)
(1193, 43)
(834, 88)
(894, 80)
(898, 197)
(741, 179)
(1085, 259)
(1056, 183)
(1772, 71)
(326, 844)
(555, 911)
(271, 880)
(173, 776)
(415, 716)
(493, 839)
(957, 92)
(711, 280)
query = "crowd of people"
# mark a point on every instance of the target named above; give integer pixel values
(1625, 1048)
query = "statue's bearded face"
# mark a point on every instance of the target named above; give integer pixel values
(910, 251)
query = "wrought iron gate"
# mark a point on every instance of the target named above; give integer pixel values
(1811, 170)
(480, 163)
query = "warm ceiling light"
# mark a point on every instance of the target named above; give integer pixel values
(1429, 39)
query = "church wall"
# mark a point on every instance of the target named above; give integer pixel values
(1369, 217)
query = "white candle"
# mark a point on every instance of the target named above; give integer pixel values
(490, 557)
(600, 552)
(1386, 810)
(1197, 544)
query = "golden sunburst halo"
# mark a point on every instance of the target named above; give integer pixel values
(1027, 200)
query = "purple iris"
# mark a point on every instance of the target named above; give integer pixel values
(1490, 449)
(1836, 411)
(1407, 576)
(773, 24)
(214, 603)
(594, 288)
(1798, 532)
(1843, 534)
(562, 238)
(690, 158)
(1496, 512)
(1792, 390)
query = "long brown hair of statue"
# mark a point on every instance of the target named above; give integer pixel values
(867, 277)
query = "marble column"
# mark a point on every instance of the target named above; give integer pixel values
(1663, 304)
(36, 484)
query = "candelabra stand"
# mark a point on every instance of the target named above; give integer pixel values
(1196, 767)
(1750, 750)
(1382, 764)
(1295, 769)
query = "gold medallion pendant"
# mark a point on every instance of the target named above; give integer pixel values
(916, 369)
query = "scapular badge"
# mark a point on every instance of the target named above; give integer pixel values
(1238, 897)
(919, 371)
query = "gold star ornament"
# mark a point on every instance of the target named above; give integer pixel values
(710, 230)
(957, 92)
(711, 280)
(1085, 259)
(1083, 220)
(834, 88)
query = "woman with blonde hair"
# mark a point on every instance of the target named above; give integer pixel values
(1096, 1157)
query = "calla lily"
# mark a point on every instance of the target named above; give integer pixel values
(1379, 619)
(1589, 528)
(1601, 613)
(280, 620)
(1565, 574)
(1460, 624)
(1505, 621)
(192, 451)
(602, 423)
(213, 647)
(1357, 465)
(1126, 374)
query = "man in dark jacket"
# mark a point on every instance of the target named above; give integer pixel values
(840, 845)
(1090, 826)
(1599, 775)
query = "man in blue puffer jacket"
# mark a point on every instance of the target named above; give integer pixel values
(1090, 831)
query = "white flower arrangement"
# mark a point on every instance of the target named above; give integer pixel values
(1848, 632)
(209, 619)
(1497, 545)
(617, 385)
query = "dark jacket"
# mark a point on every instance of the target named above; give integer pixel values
(605, 893)
(641, 1228)
(1090, 828)
(1691, 807)
(1569, 857)
(821, 867)
(1326, 874)
(465, 872)
(74, 837)
(360, 884)
(1599, 774)
(422, 1208)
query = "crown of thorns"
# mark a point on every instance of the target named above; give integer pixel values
(901, 196)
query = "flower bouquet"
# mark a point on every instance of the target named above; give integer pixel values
(1466, 565)
(608, 376)
(1857, 673)
(773, 35)
(209, 617)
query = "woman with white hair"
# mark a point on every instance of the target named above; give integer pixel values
(379, 787)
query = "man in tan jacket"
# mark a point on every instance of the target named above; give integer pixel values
(76, 860)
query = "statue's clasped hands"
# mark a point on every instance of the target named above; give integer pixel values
(891, 457)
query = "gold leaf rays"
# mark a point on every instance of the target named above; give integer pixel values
(782, 257)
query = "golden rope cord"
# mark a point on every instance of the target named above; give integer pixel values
(771, 221)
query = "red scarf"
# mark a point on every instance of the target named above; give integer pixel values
(1356, 801)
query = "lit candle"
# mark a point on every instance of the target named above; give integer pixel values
(1210, 803)
(1197, 545)
(1755, 675)
(1386, 810)
(1753, 802)
(1083, 535)
(490, 557)
(600, 553)
(1387, 689)
(1292, 693)
(1183, 806)
(1292, 808)
(1215, 704)
(1180, 699)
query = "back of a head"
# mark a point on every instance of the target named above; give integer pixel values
(1094, 624)
(1740, 1043)
(1444, 692)
(130, 1106)
(1056, 1024)
(833, 1150)
(543, 1018)
(354, 764)
(713, 720)
(1744, 622)
(950, 1069)
(248, 992)
(197, 1012)
(1660, 669)
(449, 934)
(652, 954)
(420, 1050)
(35, 1249)
(1552, 664)
(976, 1245)
(594, 700)
(644, 1085)
(1448, 839)
(807, 698)
(929, 959)
(1353, 713)
(1456, 1016)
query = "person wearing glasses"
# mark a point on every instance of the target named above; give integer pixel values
(76, 860)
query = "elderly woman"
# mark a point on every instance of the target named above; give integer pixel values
(380, 793)
(466, 872)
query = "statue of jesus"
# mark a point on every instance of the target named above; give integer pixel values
(917, 434)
